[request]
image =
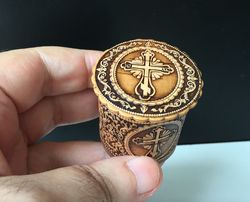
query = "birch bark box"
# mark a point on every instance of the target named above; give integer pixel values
(145, 89)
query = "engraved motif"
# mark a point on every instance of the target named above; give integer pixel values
(146, 68)
(144, 108)
(155, 140)
(167, 91)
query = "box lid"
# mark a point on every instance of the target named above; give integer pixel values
(147, 80)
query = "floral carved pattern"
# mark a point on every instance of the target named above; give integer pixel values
(113, 130)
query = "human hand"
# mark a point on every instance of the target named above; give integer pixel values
(41, 88)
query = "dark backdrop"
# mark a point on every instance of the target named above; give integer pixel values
(215, 33)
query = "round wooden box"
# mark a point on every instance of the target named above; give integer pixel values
(145, 89)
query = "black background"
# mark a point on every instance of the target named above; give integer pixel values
(216, 34)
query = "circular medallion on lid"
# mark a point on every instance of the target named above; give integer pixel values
(147, 80)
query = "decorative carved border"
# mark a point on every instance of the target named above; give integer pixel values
(191, 85)
(102, 74)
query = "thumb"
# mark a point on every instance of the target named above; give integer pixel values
(119, 179)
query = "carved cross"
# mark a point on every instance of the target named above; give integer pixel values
(155, 140)
(146, 68)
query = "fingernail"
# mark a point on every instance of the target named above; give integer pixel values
(147, 173)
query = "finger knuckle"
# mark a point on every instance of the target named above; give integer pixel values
(98, 187)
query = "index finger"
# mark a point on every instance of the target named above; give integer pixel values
(28, 75)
